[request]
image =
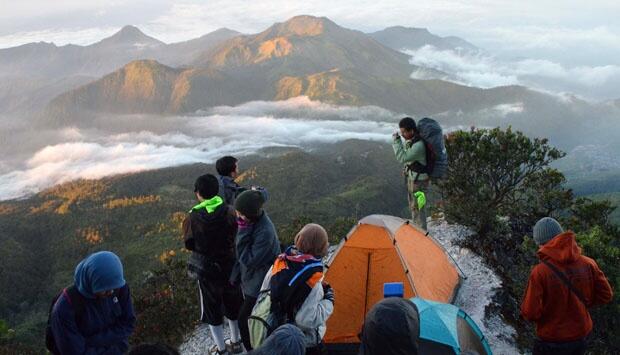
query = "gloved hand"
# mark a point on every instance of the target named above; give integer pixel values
(328, 292)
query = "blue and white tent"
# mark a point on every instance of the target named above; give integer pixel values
(447, 329)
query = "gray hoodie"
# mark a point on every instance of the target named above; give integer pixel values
(257, 247)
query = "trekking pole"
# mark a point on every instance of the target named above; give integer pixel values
(450, 255)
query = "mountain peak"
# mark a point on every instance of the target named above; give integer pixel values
(305, 25)
(130, 35)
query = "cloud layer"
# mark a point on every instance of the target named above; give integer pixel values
(237, 130)
(484, 70)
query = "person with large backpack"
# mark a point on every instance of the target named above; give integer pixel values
(560, 290)
(424, 157)
(257, 245)
(209, 233)
(293, 291)
(94, 315)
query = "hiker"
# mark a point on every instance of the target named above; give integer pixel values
(228, 170)
(560, 290)
(257, 246)
(413, 151)
(391, 327)
(285, 340)
(298, 293)
(209, 233)
(95, 315)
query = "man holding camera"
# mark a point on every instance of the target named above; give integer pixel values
(413, 150)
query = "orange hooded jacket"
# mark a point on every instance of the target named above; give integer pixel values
(558, 313)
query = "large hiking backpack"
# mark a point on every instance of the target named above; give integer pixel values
(436, 155)
(293, 276)
(76, 300)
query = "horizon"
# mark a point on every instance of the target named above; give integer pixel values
(541, 31)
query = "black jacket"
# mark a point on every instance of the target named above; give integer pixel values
(211, 238)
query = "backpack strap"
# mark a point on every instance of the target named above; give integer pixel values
(566, 282)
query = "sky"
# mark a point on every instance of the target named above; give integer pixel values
(572, 33)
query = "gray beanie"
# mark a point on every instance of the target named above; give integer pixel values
(546, 229)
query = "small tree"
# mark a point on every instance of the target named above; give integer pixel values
(501, 173)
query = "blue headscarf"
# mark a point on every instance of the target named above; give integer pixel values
(101, 271)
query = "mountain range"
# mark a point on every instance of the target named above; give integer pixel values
(400, 37)
(304, 56)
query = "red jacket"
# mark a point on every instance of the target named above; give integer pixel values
(559, 315)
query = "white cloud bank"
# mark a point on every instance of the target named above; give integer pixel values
(240, 130)
(486, 71)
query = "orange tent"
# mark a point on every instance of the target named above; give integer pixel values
(377, 250)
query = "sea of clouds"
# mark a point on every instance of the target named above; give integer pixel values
(240, 130)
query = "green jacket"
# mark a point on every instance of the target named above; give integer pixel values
(410, 152)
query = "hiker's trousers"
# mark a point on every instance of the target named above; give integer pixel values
(418, 215)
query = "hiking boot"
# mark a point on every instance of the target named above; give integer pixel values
(234, 348)
(215, 351)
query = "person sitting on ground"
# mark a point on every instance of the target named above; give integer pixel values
(209, 233)
(413, 151)
(287, 339)
(560, 290)
(153, 349)
(95, 316)
(257, 246)
(298, 293)
(391, 327)
(228, 170)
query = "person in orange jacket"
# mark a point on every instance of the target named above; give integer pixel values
(560, 290)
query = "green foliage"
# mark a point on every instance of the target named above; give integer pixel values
(604, 247)
(6, 333)
(500, 184)
(500, 173)
(166, 305)
(587, 213)
(42, 243)
(614, 198)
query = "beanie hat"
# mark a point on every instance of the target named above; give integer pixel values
(250, 203)
(546, 229)
(207, 186)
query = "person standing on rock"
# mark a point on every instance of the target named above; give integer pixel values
(209, 233)
(257, 246)
(413, 151)
(560, 290)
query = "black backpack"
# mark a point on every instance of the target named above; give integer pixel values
(289, 287)
(77, 301)
(431, 135)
